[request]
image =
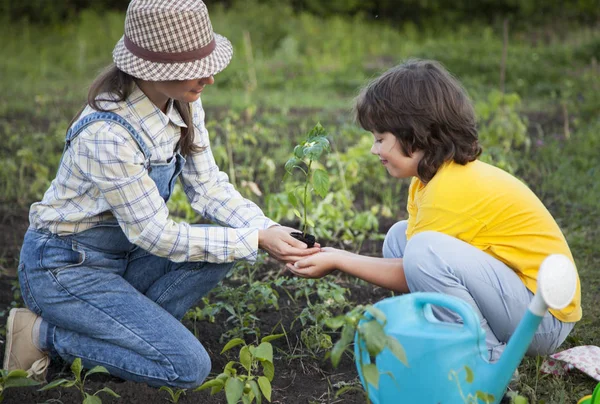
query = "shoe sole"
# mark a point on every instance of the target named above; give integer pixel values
(9, 329)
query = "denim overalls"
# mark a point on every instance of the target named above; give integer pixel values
(111, 303)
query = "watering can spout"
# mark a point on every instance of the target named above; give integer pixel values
(556, 286)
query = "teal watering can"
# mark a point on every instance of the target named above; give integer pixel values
(447, 362)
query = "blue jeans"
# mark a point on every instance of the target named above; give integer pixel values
(116, 308)
(436, 262)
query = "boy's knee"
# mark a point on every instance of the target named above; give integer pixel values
(420, 255)
(395, 240)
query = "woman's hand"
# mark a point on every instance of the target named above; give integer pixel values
(280, 245)
(318, 265)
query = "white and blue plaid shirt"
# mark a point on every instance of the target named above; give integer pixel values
(102, 176)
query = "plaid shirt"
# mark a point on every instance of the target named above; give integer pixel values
(102, 176)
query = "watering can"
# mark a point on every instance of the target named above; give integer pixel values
(594, 398)
(447, 362)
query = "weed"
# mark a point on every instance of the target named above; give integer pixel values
(246, 386)
(79, 383)
(174, 395)
(14, 378)
(367, 323)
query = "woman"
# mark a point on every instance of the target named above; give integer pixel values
(104, 271)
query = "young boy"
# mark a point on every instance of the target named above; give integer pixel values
(473, 230)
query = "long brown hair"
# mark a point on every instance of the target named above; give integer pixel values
(120, 85)
(427, 109)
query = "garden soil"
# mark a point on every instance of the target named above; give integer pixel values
(299, 378)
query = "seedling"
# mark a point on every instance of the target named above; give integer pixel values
(370, 336)
(469, 377)
(78, 382)
(315, 179)
(14, 378)
(173, 394)
(246, 386)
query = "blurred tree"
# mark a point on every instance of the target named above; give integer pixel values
(419, 11)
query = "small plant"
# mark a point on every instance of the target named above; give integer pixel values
(368, 323)
(173, 394)
(78, 382)
(246, 385)
(469, 377)
(14, 378)
(306, 154)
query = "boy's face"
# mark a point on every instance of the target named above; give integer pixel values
(387, 147)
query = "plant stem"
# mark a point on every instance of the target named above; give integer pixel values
(306, 197)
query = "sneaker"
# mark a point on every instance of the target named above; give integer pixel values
(20, 352)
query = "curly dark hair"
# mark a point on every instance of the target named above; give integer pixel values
(427, 109)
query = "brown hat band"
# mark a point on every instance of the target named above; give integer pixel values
(169, 57)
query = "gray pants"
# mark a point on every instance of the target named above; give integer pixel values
(436, 262)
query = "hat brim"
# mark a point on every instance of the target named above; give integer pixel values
(156, 71)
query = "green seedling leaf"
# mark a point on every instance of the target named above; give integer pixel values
(374, 336)
(291, 163)
(256, 391)
(19, 381)
(270, 338)
(76, 368)
(109, 391)
(233, 343)
(234, 389)
(169, 390)
(485, 397)
(207, 385)
(54, 384)
(14, 373)
(246, 357)
(335, 322)
(265, 387)
(91, 399)
(310, 222)
(397, 349)
(297, 213)
(96, 369)
(229, 368)
(371, 374)
(469, 377)
(264, 352)
(298, 152)
(376, 313)
(268, 370)
(293, 199)
(320, 182)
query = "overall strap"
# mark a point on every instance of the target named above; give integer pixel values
(76, 129)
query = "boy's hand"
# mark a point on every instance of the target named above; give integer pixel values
(317, 265)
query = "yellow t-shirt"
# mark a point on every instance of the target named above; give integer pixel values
(495, 212)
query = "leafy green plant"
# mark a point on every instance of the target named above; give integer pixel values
(370, 336)
(79, 383)
(239, 379)
(305, 158)
(14, 378)
(469, 377)
(174, 395)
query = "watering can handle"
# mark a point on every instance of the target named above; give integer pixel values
(462, 308)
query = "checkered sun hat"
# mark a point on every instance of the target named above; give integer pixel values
(170, 40)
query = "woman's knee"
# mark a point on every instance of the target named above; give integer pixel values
(192, 367)
(395, 240)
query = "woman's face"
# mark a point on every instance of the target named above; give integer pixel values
(184, 90)
(160, 92)
(387, 147)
